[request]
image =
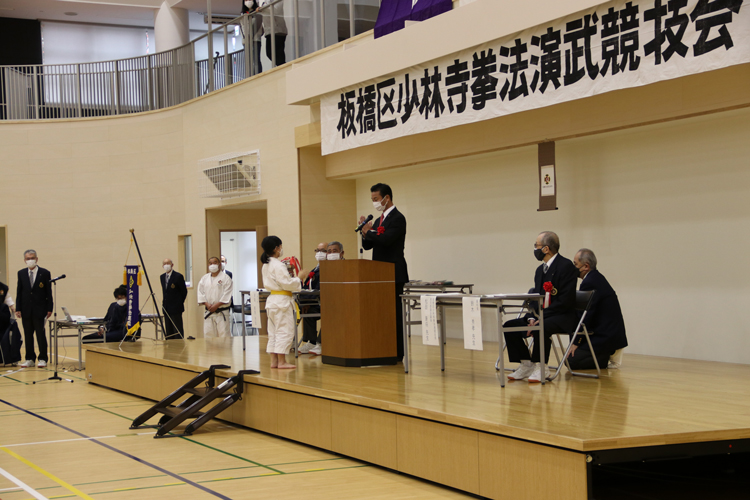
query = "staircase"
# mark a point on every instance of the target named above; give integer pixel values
(229, 391)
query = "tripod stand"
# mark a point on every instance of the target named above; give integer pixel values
(54, 345)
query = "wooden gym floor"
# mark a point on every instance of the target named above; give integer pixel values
(63, 440)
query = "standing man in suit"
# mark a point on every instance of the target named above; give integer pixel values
(386, 237)
(559, 315)
(34, 307)
(224, 262)
(604, 318)
(174, 292)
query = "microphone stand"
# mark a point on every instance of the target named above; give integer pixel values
(56, 349)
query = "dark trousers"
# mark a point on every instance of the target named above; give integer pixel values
(517, 350)
(31, 325)
(280, 49)
(310, 326)
(399, 322)
(114, 336)
(173, 328)
(258, 66)
(583, 360)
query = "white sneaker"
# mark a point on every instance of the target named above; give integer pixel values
(537, 375)
(42, 364)
(27, 364)
(317, 350)
(523, 371)
(305, 348)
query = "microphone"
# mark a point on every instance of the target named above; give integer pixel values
(61, 277)
(368, 219)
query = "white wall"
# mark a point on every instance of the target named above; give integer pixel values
(664, 207)
(69, 43)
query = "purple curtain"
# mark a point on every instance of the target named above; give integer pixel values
(426, 9)
(392, 16)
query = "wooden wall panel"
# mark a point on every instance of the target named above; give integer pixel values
(510, 468)
(440, 453)
(304, 418)
(365, 434)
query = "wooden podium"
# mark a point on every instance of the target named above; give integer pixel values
(358, 312)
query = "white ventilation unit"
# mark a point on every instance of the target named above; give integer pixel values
(230, 175)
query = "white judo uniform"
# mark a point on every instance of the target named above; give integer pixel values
(211, 290)
(280, 308)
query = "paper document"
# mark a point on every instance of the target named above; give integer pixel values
(472, 323)
(430, 333)
(255, 308)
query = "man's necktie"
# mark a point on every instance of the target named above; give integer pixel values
(381, 220)
(31, 277)
(545, 267)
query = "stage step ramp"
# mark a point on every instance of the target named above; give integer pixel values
(199, 396)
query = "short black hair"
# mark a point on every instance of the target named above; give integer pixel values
(121, 291)
(383, 189)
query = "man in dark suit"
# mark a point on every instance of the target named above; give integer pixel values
(224, 262)
(115, 325)
(174, 292)
(310, 336)
(604, 317)
(559, 315)
(386, 237)
(34, 307)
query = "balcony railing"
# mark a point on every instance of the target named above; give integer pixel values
(49, 91)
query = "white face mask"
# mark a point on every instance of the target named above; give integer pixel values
(223, 265)
(320, 256)
(31, 263)
(167, 267)
(333, 256)
(281, 253)
(378, 205)
(213, 268)
(122, 302)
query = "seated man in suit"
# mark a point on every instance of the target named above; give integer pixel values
(559, 315)
(604, 318)
(310, 336)
(115, 321)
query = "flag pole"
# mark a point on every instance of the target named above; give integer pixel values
(151, 290)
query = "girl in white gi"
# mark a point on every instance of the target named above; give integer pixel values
(280, 304)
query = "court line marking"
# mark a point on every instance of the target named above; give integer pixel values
(125, 454)
(56, 479)
(11, 373)
(51, 442)
(28, 489)
(275, 471)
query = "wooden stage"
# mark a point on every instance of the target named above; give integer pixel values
(459, 427)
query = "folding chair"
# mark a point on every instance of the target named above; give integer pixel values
(583, 303)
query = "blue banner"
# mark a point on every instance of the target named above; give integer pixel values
(133, 281)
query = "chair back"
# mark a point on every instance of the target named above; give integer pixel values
(583, 299)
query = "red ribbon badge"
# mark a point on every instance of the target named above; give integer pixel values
(548, 289)
(381, 230)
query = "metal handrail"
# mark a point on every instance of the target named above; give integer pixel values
(154, 81)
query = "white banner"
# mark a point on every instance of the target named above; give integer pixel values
(472, 323)
(613, 46)
(430, 332)
(255, 308)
